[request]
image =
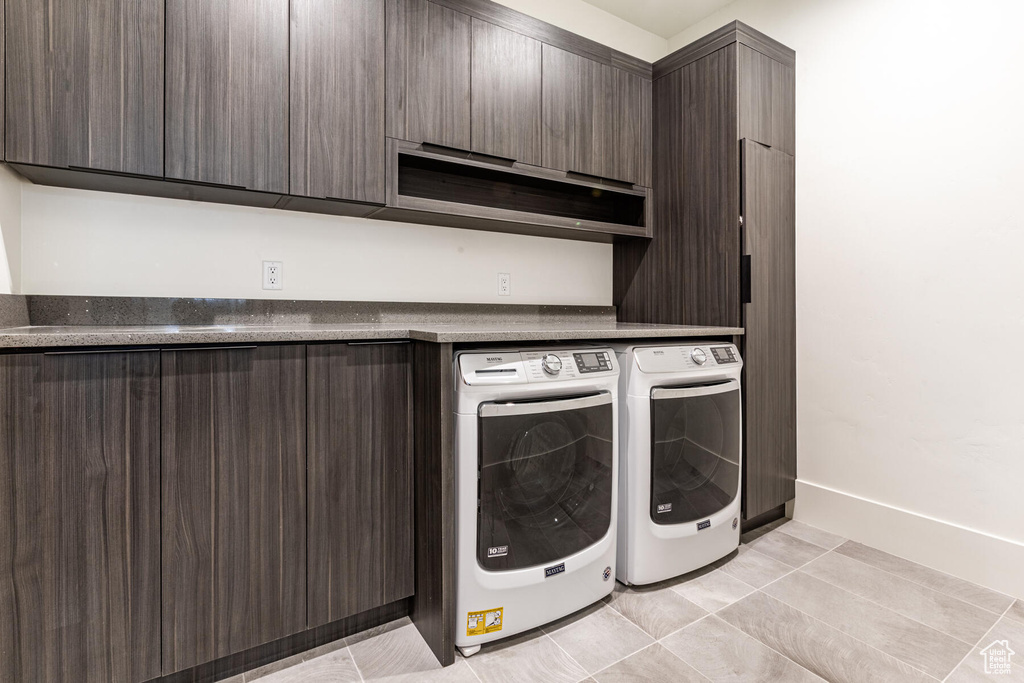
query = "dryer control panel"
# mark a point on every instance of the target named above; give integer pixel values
(687, 358)
(535, 365)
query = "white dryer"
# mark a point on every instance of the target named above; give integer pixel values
(681, 458)
(536, 472)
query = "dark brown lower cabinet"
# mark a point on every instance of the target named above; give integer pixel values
(769, 345)
(360, 478)
(234, 500)
(80, 517)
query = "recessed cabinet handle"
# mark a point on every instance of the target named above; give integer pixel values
(745, 279)
(210, 348)
(82, 352)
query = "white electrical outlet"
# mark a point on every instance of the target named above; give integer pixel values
(273, 275)
(504, 284)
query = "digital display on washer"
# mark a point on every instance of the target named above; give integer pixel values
(592, 362)
(723, 354)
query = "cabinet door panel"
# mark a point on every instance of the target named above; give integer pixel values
(234, 492)
(80, 517)
(591, 117)
(769, 206)
(85, 84)
(767, 100)
(227, 92)
(360, 478)
(506, 101)
(337, 99)
(429, 52)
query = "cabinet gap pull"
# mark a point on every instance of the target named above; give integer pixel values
(211, 348)
(82, 352)
(376, 343)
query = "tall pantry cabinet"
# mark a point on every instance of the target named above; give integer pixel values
(723, 251)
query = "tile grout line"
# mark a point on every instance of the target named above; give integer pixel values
(782, 529)
(571, 658)
(754, 638)
(918, 583)
(878, 604)
(354, 662)
(829, 626)
(978, 644)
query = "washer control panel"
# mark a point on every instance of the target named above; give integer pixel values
(543, 365)
(592, 361)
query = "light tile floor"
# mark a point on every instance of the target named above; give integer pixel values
(794, 603)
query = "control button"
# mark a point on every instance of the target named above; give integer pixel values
(551, 363)
(698, 356)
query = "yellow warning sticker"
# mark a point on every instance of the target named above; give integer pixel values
(487, 621)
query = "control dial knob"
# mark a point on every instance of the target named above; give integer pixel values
(551, 364)
(698, 356)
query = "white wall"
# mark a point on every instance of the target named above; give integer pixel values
(910, 308)
(594, 23)
(104, 244)
(10, 230)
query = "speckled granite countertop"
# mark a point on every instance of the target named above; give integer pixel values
(464, 332)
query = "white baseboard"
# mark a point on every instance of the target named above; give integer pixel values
(997, 563)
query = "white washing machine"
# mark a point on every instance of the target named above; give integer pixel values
(536, 447)
(680, 458)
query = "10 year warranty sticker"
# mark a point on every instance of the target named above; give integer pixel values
(487, 621)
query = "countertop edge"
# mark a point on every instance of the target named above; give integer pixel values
(75, 337)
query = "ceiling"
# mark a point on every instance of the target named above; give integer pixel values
(664, 18)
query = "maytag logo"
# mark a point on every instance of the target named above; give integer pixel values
(557, 569)
(497, 551)
(664, 507)
(703, 525)
(494, 359)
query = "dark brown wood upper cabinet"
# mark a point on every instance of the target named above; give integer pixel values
(591, 117)
(227, 93)
(428, 55)
(337, 99)
(80, 530)
(360, 478)
(85, 84)
(506, 100)
(234, 500)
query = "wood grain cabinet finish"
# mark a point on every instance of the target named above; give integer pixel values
(506, 100)
(233, 500)
(767, 100)
(85, 84)
(591, 117)
(337, 99)
(429, 51)
(80, 517)
(360, 478)
(769, 346)
(227, 93)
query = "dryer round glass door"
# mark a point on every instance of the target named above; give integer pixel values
(545, 489)
(695, 451)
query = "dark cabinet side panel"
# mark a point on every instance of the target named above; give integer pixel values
(769, 186)
(80, 517)
(646, 170)
(428, 64)
(359, 478)
(337, 99)
(690, 272)
(767, 104)
(234, 500)
(85, 84)
(433, 606)
(227, 92)
(506, 100)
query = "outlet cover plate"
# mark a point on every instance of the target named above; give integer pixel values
(273, 275)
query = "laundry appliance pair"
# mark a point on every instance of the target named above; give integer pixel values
(576, 466)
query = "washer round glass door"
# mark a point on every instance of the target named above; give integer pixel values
(695, 451)
(545, 488)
